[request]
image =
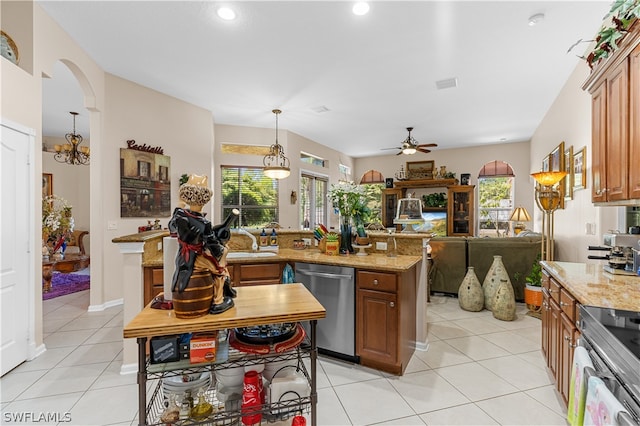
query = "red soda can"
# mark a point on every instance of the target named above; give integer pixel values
(252, 395)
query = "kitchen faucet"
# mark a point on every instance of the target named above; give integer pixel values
(254, 242)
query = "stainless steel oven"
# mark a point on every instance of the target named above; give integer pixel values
(612, 338)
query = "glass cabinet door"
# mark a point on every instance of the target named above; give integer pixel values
(461, 210)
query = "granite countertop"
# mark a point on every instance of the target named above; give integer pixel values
(591, 286)
(141, 237)
(372, 261)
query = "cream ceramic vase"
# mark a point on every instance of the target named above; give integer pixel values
(491, 282)
(470, 294)
(504, 302)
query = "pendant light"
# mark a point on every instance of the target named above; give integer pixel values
(276, 165)
(72, 152)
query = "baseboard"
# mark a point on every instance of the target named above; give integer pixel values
(422, 346)
(129, 369)
(106, 305)
(34, 351)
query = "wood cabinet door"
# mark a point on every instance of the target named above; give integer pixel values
(634, 124)
(460, 210)
(390, 199)
(598, 144)
(377, 326)
(567, 344)
(546, 309)
(618, 133)
(554, 337)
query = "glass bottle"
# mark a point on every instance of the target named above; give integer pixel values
(392, 248)
(222, 352)
(171, 413)
(202, 409)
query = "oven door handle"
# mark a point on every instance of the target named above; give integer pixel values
(609, 379)
(625, 419)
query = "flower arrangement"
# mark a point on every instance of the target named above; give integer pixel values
(348, 198)
(57, 221)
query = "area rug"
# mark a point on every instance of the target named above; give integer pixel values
(62, 284)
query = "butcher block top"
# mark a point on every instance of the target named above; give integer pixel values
(254, 305)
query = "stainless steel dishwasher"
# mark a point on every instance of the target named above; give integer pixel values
(335, 289)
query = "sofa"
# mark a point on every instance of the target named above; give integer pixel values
(452, 255)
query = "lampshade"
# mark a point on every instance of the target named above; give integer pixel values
(548, 178)
(409, 151)
(520, 214)
(276, 165)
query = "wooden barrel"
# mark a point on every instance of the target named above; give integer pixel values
(195, 300)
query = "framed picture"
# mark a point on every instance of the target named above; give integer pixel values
(556, 159)
(556, 164)
(47, 184)
(545, 164)
(579, 175)
(420, 169)
(568, 179)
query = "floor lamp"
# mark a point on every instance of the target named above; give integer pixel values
(548, 200)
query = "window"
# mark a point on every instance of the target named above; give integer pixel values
(495, 198)
(312, 159)
(313, 200)
(373, 196)
(250, 191)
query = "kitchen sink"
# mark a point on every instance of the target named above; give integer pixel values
(238, 254)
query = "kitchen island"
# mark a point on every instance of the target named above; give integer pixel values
(565, 287)
(253, 306)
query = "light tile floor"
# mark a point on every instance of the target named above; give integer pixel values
(477, 371)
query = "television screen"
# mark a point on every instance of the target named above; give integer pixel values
(435, 222)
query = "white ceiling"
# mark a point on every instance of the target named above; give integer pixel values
(376, 74)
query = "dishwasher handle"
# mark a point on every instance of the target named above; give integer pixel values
(324, 274)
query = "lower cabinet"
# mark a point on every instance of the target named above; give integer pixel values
(243, 274)
(559, 332)
(153, 279)
(385, 319)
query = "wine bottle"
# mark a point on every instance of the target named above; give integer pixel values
(222, 231)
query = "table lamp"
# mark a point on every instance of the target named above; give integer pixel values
(519, 215)
(548, 200)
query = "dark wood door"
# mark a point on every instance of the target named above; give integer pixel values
(377, 326)
(567, 344)
(546, 308)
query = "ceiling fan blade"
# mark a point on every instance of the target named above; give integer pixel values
(385, 149)
(426, 151)
(427, 145)
(399, 153)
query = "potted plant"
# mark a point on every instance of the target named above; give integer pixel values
(533, 287)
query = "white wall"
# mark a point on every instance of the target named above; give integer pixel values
(569, 120)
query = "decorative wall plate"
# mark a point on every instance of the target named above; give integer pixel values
(8, 48)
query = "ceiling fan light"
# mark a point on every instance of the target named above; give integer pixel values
(409, 151)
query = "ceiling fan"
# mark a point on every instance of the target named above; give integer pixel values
(410, 145)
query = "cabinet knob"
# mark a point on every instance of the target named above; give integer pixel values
(375, 282)
(392, 305)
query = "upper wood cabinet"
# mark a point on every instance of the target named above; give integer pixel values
(460, 210)
(615, 89)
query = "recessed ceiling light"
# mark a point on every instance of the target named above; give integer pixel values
(226, 13)
(447, 83)
(360, 8)
(320, 109)
(536, 19)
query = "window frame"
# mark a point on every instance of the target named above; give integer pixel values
(313, 220)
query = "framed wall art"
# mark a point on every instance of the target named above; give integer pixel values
(420, 169)
(557, 164)
(568, 180)
(545, 164)
(579, 173)
(145, 183)
(47, 184)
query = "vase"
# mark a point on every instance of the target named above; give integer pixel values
(470, 294)
(491, 282)
(504, 302)
(533, 298)
(345, 235)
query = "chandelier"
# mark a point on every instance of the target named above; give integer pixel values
(71, 152)
(276, 165)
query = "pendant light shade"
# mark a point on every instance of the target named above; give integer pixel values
(72, 152)
(276, 165)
